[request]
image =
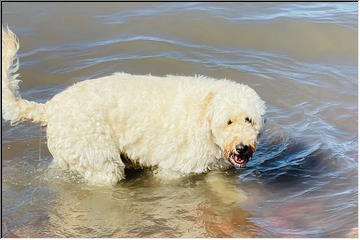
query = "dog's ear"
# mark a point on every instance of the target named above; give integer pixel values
(205, 113)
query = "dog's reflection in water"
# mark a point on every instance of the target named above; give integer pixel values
(143, 207)
(200, 206)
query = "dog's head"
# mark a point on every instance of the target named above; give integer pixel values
(235, 115)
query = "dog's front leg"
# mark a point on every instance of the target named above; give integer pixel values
(224, 188)
(165, 175)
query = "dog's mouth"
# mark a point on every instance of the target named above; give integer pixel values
(239, 160)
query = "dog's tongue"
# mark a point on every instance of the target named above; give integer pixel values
(239, 160)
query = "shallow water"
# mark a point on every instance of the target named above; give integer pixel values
(300, 57)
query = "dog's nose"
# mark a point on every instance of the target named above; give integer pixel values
(241, 148)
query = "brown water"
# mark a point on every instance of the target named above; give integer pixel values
(300, 57)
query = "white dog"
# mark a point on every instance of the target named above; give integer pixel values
(177, 125)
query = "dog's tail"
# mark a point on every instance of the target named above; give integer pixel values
(14, 108)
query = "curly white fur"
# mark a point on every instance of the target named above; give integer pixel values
(175, 124)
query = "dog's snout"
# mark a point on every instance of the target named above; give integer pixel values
(242, 149)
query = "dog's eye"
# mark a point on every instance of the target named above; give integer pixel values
(248, 120)
(229, 122)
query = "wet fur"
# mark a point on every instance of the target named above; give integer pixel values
(174, 124)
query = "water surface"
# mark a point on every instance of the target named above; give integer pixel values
(300, 57)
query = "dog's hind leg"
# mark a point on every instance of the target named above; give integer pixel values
(89, 151)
